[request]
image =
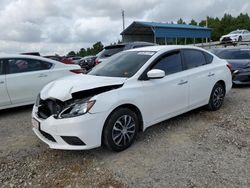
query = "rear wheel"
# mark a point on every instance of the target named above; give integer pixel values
(216, 97)
(120, 129)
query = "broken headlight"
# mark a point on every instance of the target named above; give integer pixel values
(78, 108)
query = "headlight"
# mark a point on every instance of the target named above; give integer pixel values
(78, 108)
(247, 69)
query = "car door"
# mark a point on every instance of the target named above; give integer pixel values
(168, 96)
(4, 97)
(201, 76)
(25, 78)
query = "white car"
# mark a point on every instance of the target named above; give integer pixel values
(23, 76)
(126, 94)
(236, 36)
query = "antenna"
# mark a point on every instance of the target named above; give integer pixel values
(123, 20)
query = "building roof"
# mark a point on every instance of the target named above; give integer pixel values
(166, 30)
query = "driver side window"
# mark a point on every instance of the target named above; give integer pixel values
(170, 63)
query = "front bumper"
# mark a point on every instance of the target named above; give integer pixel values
(86, 128)
(226, 40)
(241, 78)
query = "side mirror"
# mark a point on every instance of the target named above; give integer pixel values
(155, 74)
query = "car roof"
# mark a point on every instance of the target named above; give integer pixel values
(165, 47)
(129, 44)
(29, 57)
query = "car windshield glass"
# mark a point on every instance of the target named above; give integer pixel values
(234, 54)
(124, 64)
(107, 52)
(235, 32)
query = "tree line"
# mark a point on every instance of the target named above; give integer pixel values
(219, 26)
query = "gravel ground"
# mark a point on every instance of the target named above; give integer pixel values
(197, 149)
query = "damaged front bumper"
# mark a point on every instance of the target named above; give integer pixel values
(76, 133)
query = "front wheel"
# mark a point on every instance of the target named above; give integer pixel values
(120, 129)
(240, 39)
(216, 97)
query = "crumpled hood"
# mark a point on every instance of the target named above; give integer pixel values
(239, 63)
(62, 89)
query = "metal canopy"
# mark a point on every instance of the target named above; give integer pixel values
(165, 30)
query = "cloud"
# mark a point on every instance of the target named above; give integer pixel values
(60, 26)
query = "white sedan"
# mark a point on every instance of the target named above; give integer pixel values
(126, 94)
(23, 76)
(236, 36)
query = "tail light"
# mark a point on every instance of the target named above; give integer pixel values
(77, 71)
(230, 67)
(97, 61)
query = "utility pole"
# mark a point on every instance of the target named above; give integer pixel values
(206, 27)
(123, 20)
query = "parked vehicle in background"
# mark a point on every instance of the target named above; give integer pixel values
(113, 49)
(235, 36)
(239, 58)
(75, 59)
(62, 59)
(127, 93)
(23, 76)
(88, 62)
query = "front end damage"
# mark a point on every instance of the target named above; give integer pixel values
(69, 124)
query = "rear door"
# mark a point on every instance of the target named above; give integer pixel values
(201, 76)
(4, 97)
(25, 78)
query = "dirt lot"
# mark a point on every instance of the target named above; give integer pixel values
(197, 149)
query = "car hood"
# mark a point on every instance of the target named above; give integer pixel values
(63, 89)
(239, 63)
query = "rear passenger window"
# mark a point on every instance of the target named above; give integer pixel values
(194, 58)
(171, 63)
(208, 57)
(26, 65)
(1, 67)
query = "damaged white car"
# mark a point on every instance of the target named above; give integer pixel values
(129, 92)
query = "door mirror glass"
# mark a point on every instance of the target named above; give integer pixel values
(155, 74)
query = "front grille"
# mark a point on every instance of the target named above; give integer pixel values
(49, 107)
(47, 135)
(226, 39)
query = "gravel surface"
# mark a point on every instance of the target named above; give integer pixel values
(197, 149)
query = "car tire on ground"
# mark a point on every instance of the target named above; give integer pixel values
(120, 129)
(216, 97)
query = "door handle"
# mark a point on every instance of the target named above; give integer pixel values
(42, 75)
(1, 82)
(182, 82)
(210, 74)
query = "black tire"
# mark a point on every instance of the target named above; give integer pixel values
(123, 122)
(240, 39)
(216, 97)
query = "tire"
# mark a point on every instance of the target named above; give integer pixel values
(216, 97)
(120, 129)
(240, 39)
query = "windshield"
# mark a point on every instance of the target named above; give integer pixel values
(235, 32)
(124, 64)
